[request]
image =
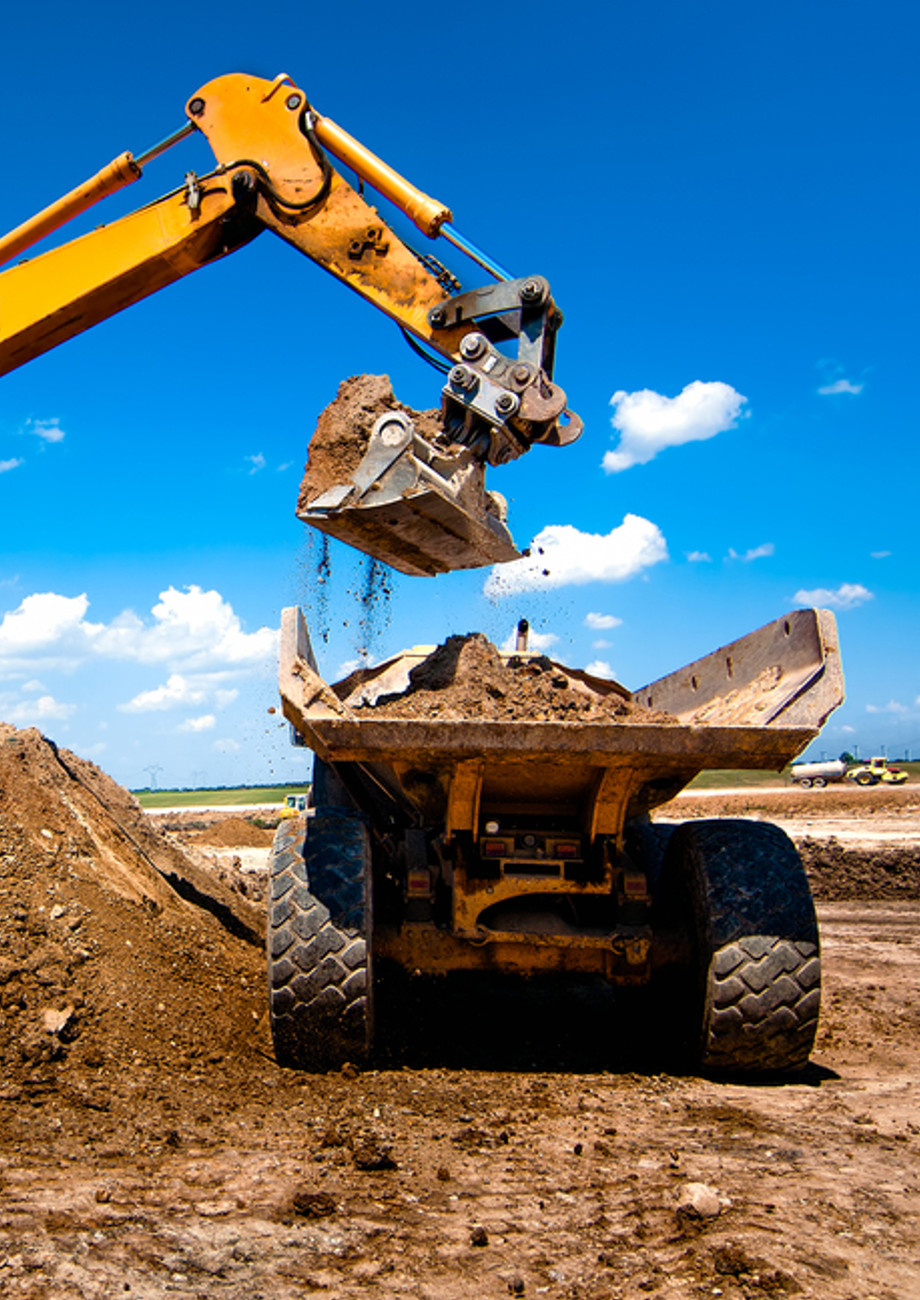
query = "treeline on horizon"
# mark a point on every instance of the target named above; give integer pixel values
(299, 786)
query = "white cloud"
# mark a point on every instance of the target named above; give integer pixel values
(7, 465)
(891, 707)
(599, 668)
(33, 712)
(257, 462)
(47, 430)
(204, 723)
(699, 557)
(177, 691)
(879, 555)
(537, 642)
(601, 644)
(180, 691)
(602, 622)
(648, 422)
(42, 621)
(561, 555)
(191, 628)
(850, 730)
(755, 553)
(847, 596)
(840, 386)
(227, 746)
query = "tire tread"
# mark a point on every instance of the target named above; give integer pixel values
(757, 945)
(318, 954)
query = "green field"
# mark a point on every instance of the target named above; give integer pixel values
(731, 778)
(274, 794)
(255, 794)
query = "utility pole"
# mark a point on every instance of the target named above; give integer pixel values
(153, 770)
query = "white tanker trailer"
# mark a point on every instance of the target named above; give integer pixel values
(818, 774)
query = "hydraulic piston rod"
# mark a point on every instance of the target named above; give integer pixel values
(121, 171)
(432, 217)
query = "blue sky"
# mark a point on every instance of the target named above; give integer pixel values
(723, 197)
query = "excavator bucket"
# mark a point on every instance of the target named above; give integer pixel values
(398, 488)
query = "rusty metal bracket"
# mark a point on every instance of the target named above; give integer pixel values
(372, 241)
(521, 310)
(511, 400)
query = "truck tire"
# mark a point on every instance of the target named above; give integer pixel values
(319, 950)
(804, 782)
(819, 782)
(755, 996)
(866, 778)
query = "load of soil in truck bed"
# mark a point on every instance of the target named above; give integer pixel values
(466, 678)
(343, 432)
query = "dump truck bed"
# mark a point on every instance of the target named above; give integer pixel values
(755, 703)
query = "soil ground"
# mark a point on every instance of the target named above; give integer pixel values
(535, 1146)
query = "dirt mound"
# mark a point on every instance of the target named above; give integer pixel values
(343, 432)
(466, 678)
(115, 949)
(234, 832)
(834, 800)
(839, 873)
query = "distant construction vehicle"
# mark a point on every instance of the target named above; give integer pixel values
(877, 771)
(293, 805)
(818, 774)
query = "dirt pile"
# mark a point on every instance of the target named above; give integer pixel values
(839, 872)
(466, 678)
(844, 801)
(234, 832)
(343, 432)
(115, 949)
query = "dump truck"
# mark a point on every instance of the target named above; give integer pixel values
(526, 846)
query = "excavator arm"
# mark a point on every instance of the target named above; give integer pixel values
(273, 172)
